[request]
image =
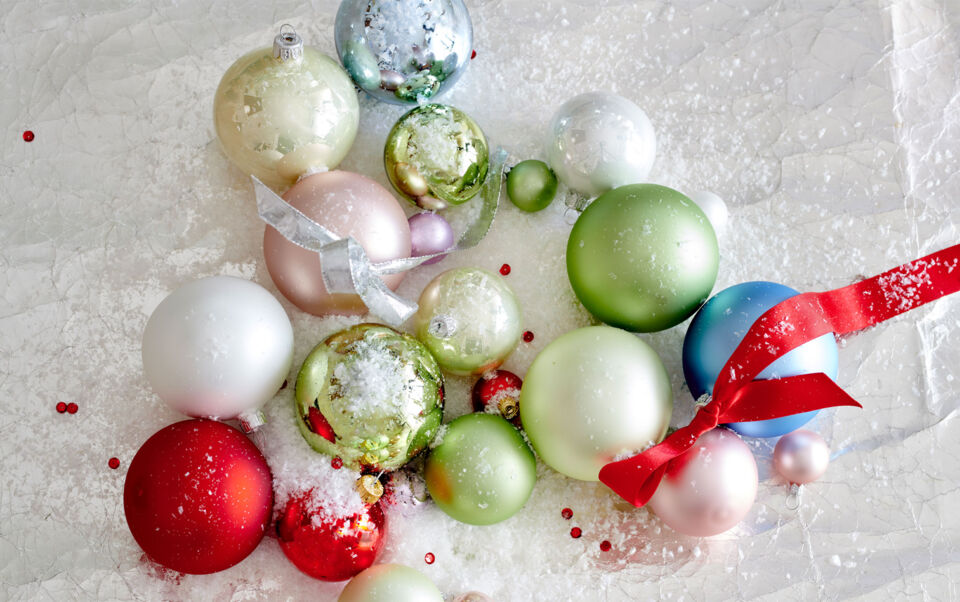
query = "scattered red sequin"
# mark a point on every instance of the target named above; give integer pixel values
(429, 557)
(505, 269)
(62, 407)
(576, 532)
(72, 408)
(114, 463)
(28, 136)
(473, 54)
(337, 463)
(528, 336)
(566, 513)
(605, 546)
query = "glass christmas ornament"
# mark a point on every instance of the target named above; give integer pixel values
(371, 396)
(498, 391)
(404, 51)
(285, 111)
(531, 185)
(429, 234)
(390, 583)
(801, 456)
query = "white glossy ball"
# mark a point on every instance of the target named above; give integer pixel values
(217, 347)
(598, 141)
(714, 207)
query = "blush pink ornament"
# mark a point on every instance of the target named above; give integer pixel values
(710, 488)
(430, 233)
(347, 204)
(801, 457)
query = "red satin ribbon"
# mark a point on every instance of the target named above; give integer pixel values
(791, 323)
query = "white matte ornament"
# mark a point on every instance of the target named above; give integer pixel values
(714, 207)
(218, 347)
(599, 141)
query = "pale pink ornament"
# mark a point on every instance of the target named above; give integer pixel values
(710, 488)
(347, 204)
(429, 234)
(801, 457)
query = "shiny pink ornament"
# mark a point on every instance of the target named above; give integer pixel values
(347, 204)
(710, 488)
(801, 456)
(430, 233)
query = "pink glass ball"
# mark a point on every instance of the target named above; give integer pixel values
(430, 233)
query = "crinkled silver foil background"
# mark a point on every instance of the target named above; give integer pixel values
(830, 127)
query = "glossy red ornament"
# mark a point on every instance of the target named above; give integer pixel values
(198, 496)
(329, 548)
(501, 389)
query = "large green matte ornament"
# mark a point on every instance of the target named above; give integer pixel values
(469, 319)
(390, 583)
(370, 395)
(592, 395)
(482, 471)
(642, 257)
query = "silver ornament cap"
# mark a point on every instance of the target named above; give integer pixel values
(288, 45)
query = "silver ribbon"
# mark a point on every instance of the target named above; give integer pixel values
(344, 264)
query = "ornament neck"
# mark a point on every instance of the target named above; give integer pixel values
(288, 45)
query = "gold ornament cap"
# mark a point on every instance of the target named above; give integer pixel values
(370, 488)
(288, 45)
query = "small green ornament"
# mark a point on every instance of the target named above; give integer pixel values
(390, 583)
(436, 155)
(482, 472)
(422, 85)
(642, 257)
(361, 64)
(531, 185)
(370, 395)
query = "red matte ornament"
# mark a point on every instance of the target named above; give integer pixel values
(198, 496)
(791, 323)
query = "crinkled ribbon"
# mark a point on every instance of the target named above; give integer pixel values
(791, 323)
(344, 264)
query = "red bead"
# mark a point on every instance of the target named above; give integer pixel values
(27, 136)
(114, 463)
(72, 408)
(605, 546)
(566, 513)
(505, 269)
(528, 336)
(429, 558)
(62, 407)
(337, 463)
(473, 54)
(501, 389)
(197, 496)
(576, 532)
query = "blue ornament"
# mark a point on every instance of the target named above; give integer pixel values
(719, 327)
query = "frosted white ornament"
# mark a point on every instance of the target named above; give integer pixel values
(714, 207)
(218, 347)
(599, 141)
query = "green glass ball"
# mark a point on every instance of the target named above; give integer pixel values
(531, 185)
(642, 257)
(370, 395)
(436, 156)
(469, 319)
(390, 583)
(482, 471)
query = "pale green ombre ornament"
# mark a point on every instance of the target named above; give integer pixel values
(642, 257)
(592, 395)
(390, 583)
(436, 156)
(469, 319)
(285, 111)
(370, 395)
(482, 471)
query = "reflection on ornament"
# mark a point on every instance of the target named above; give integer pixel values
(404, 51)
(390, 583)
(801, 457)
(436, 156)
(371, 396)
(285, 111)
(600, 141)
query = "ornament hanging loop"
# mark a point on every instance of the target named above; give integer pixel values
(288, 45)
(793, 497)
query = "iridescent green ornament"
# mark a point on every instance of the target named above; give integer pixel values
(642, 257)
(436, 156)
(390, 583)
(482, 471)
(469, 320)
(370, 395)
(360, 64)
(531, 185)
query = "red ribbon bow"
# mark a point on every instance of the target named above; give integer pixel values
(791, 323)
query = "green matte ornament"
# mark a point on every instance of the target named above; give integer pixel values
(469, 320)
(531, 185)
(642, 257)
(390, 583)
(436, 156)
(371, 396)
(482, 471)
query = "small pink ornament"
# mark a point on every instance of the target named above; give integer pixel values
(801, 457)
(429, 233)
(710, 488)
